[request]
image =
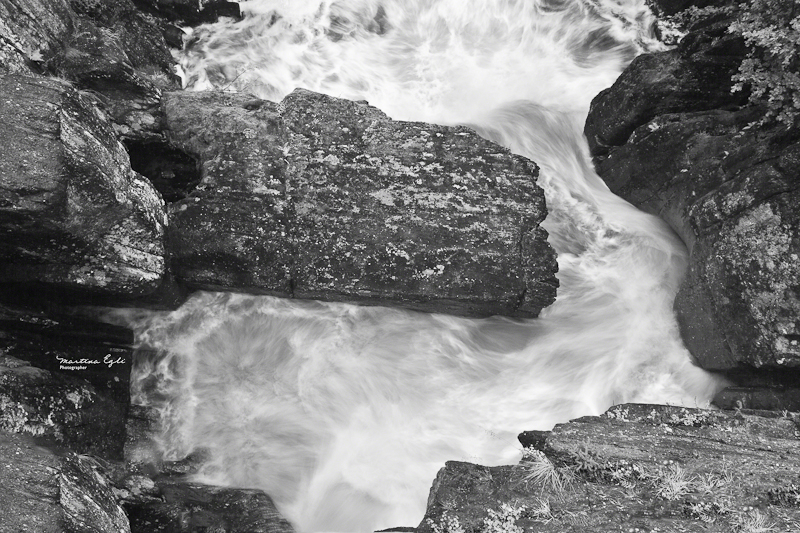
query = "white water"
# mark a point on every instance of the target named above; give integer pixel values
(345, 414)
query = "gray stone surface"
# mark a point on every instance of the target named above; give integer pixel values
(635, 468)
(74, 215)
(728, 188)
(48, 493)
(323, 198)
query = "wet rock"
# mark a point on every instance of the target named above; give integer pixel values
(121, 56)
(669, 7)
(49, 493)
(323, 198)
(32, 32)
(730, 190)
(74, 217)
(193, 508)
(138, 36)
(645, 467)
(142, 454)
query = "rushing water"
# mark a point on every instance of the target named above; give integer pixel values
(344, 414)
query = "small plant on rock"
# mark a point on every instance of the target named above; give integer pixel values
(673, 482)
(541, 471)
(771, 69)
(707, 512)
(753, 521)
(771, 29)
(504, 520)
(449, 523)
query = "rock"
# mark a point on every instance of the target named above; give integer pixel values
(192, 12)
(46, 339)
(95, 60)
(75, 218)
(142, 453)
(121, 56)
(137, 36)
(730, 191)
(48, 493)
(32, 32)
(193, 507)
(59, 409)
(323, 198)
(693, 77)
(762, 398)
(665, 8)
(645, 467)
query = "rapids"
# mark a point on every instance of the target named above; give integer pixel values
(344, 414)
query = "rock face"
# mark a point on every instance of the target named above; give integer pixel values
(728, 189)
(65, 379)
(32, 31)
(48, 493)
(75, 216)
(330, 199)
(59, 409)
(645, 467)
(192, 12)
(191, 507)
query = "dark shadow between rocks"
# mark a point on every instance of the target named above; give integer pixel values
(172, 172)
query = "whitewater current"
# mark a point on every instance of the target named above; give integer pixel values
(344, 414)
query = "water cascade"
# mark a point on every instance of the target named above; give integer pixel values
(344, 414)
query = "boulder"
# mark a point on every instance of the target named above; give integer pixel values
(636, 467)
(75, 218)
(32, 32)
(323, 198)
(693, 77)
(121, 56)
(47, 338)
(49, 493)
(730, 190)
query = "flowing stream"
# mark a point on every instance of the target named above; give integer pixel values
(344, 414)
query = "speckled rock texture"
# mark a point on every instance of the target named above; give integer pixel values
(122, 58)
(730, 190)
(323, 198)
(639, 468)
(73, 215)
(192, 507)
(32, 32)
(48, 493)
(105, 46)
(60, 409)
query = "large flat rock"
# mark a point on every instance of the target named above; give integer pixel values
(635, 468)
(323, 198)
